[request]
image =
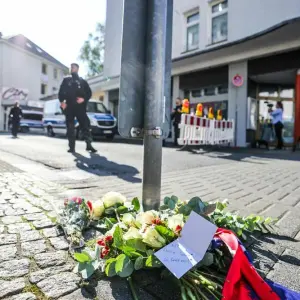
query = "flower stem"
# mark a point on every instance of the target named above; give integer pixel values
(133, 291)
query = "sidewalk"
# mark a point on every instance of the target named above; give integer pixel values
(34, 259)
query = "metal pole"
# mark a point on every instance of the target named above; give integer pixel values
(154, 101)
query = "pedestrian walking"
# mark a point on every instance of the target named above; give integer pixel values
(278, 123)
(15, 116)
(176, 117)
(74, 94)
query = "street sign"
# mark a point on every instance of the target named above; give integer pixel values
(131, 115)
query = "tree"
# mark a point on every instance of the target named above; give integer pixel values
(92, 51)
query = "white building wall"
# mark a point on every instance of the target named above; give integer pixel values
(237, 104)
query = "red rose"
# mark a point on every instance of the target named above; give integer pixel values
(157, 221)
(90, 206)
(101, 243)
(178, 228)
(79, 201)
(104, 252)
(108, 238)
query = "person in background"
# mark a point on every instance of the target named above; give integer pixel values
(74, 94)
(176, 117)
(278, 123)
(15, 116)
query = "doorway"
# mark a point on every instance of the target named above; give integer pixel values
(267, 98)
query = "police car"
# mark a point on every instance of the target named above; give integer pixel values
(102, 123)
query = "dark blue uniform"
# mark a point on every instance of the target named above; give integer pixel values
(74, 87)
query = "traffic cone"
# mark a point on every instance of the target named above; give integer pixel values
(211, 113)
(219, 115)
(199, 110)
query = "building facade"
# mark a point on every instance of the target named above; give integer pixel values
(237, 56)
(27, 74)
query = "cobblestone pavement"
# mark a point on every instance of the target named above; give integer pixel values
(34, 258)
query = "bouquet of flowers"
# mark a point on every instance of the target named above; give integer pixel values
(131, 237)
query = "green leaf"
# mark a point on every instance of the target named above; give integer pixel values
(220, 206)
(136, 244)
(124, 266)
(174, 198)
(109, 211)
(197, 205)
(118, 237)
(153, 262)
(164, 207)
(136, 204)
(139, 263)
(88, 271)
(122, 209)
(82, 257)
(185, 210)
(109, 224)
(165, 232)
(209, 209)
(166, 200)
(171, 204)
(110, 266)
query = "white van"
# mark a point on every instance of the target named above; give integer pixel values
(102, 123)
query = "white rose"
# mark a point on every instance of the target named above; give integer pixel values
(175, 221)
(112, 198)
(98, 210)
(132, 233)
(112, 230)
(146, 217)
(128, 219)
(152, 238)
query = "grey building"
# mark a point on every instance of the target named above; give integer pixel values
(233, 55)
(27, 73)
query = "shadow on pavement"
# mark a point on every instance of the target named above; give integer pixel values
(101, 166)
(242, 154)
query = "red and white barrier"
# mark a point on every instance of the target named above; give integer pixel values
(202, 131)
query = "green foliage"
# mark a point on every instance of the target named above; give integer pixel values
(92, 51)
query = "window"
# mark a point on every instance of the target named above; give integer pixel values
(95, 107)
(44, 69)
(33, 116)
(55, 73)
(210, 91)
(219, 22)
(43, 89)
(196, 93)
(192, 31)
(223, 89)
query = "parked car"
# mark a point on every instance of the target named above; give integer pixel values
(102, 123)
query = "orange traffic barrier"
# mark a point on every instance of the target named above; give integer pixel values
(185, 106)
(219, 115)
(211, 113)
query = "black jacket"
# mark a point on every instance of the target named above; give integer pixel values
(176, 115)
(73, 88)
(15, 114)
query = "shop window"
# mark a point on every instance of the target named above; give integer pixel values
(268, 91)
(196, 93)
(287, 93)
(192, 31)
(219, 22)
(223, 89)
(210, 91)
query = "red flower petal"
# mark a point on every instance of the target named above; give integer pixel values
(89, 204)
(178, 228)
(108, 238)
(101, 243)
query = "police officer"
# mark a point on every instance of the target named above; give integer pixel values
(74, 94)
(15, 116)
(176, 117)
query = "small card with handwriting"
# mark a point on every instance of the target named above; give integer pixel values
(184, 253)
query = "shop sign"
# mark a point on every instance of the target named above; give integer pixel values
(238, 80)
